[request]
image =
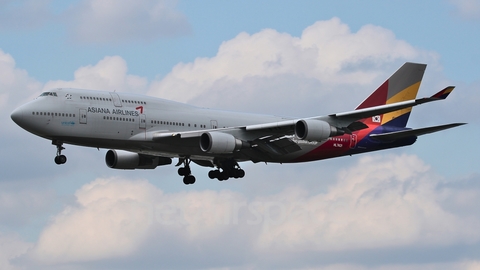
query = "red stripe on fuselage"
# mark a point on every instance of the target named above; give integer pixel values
(335, 146)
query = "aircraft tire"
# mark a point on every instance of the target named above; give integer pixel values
(189, 179)
(223, 176)
(61, 159)
(213, 174)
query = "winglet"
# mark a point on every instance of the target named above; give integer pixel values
(444, 93)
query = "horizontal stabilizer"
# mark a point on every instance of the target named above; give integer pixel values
(391, 136)
(382, 109)
(444, 93)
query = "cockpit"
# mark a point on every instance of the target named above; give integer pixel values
(51, 94)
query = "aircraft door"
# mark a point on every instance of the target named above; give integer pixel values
(213, 124)
(143, 121)
(353, 141)
(83, 116)
(116, 99)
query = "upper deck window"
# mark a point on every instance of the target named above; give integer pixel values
(52, 94)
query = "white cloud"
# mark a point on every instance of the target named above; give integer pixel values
(16, 85)
(127, 21)
(464, 265)
(253, 69)
(110, 220)
(383, 202)
(114, 217)
(468, 9)
(11, 247)
(110, 74)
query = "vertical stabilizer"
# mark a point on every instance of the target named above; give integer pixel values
(401, 86)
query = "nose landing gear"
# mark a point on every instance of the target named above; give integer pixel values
(59, 159)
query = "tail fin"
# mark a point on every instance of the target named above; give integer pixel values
(401, 86)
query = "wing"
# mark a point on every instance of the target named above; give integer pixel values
(278, 138)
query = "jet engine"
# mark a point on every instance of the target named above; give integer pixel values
(315, 130)
(117, 159)
(219, 143)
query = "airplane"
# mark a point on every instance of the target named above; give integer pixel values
(145, 132)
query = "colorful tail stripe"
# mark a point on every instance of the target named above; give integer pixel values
(400, 118)
(401, 86)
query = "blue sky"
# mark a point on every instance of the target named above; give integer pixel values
(408, 208)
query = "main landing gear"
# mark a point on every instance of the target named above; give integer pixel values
(185, 171)
(230, 169)
(227, 168)
(59, 159)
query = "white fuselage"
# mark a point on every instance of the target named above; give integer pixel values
(124, 121)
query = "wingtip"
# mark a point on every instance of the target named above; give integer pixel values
(443, 94)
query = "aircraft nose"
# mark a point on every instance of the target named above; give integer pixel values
(17, 116)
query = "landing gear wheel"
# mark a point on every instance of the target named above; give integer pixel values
(223, 176)
(240, 173)
(213, 174)
(189, 179)
(184, 171)
(61, 159)
(226, 169)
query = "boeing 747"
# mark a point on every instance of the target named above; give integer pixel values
(144, 132)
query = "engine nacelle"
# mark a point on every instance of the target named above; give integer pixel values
(219, 143)
(117, 159)
(315, 130)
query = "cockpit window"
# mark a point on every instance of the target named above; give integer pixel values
(52, 94)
